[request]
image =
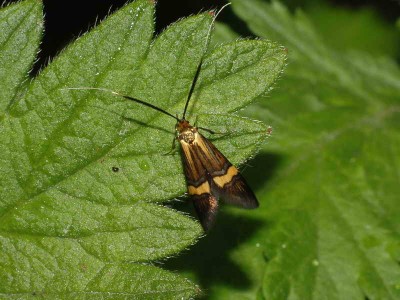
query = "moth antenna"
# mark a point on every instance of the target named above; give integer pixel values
(213, 22)
(126, 97)
(208, 38)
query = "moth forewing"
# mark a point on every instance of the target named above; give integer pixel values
(209, 175)
(229, 184)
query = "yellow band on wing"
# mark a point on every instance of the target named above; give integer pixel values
(203, 188)
(224, 179)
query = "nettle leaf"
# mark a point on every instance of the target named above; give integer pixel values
(328, 223)
(21, 26)
(81, 171)
(341, 24)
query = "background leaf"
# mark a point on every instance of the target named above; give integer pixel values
(80, 169)
(327, 227)
(360, 29)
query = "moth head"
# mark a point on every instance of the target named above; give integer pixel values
(182, 125)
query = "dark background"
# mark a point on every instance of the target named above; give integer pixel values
(65, 20)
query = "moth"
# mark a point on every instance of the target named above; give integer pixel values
(209, 174)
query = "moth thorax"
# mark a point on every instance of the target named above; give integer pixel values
(187, 135)
(186, 132)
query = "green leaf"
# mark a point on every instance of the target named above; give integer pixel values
(81, 171)
(21, 27)
(328, 180)
(357, 29)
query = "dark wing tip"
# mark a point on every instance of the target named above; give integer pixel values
(206, 206)
(250, 202)
(245, 201)
(237, 192)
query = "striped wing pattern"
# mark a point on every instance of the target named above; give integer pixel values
(210, 175)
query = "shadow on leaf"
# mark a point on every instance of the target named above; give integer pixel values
(260, 170)
(209, 260)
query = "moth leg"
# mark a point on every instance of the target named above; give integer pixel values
(173, 149)
(202, 128)
(208, 130)
(195, 121)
